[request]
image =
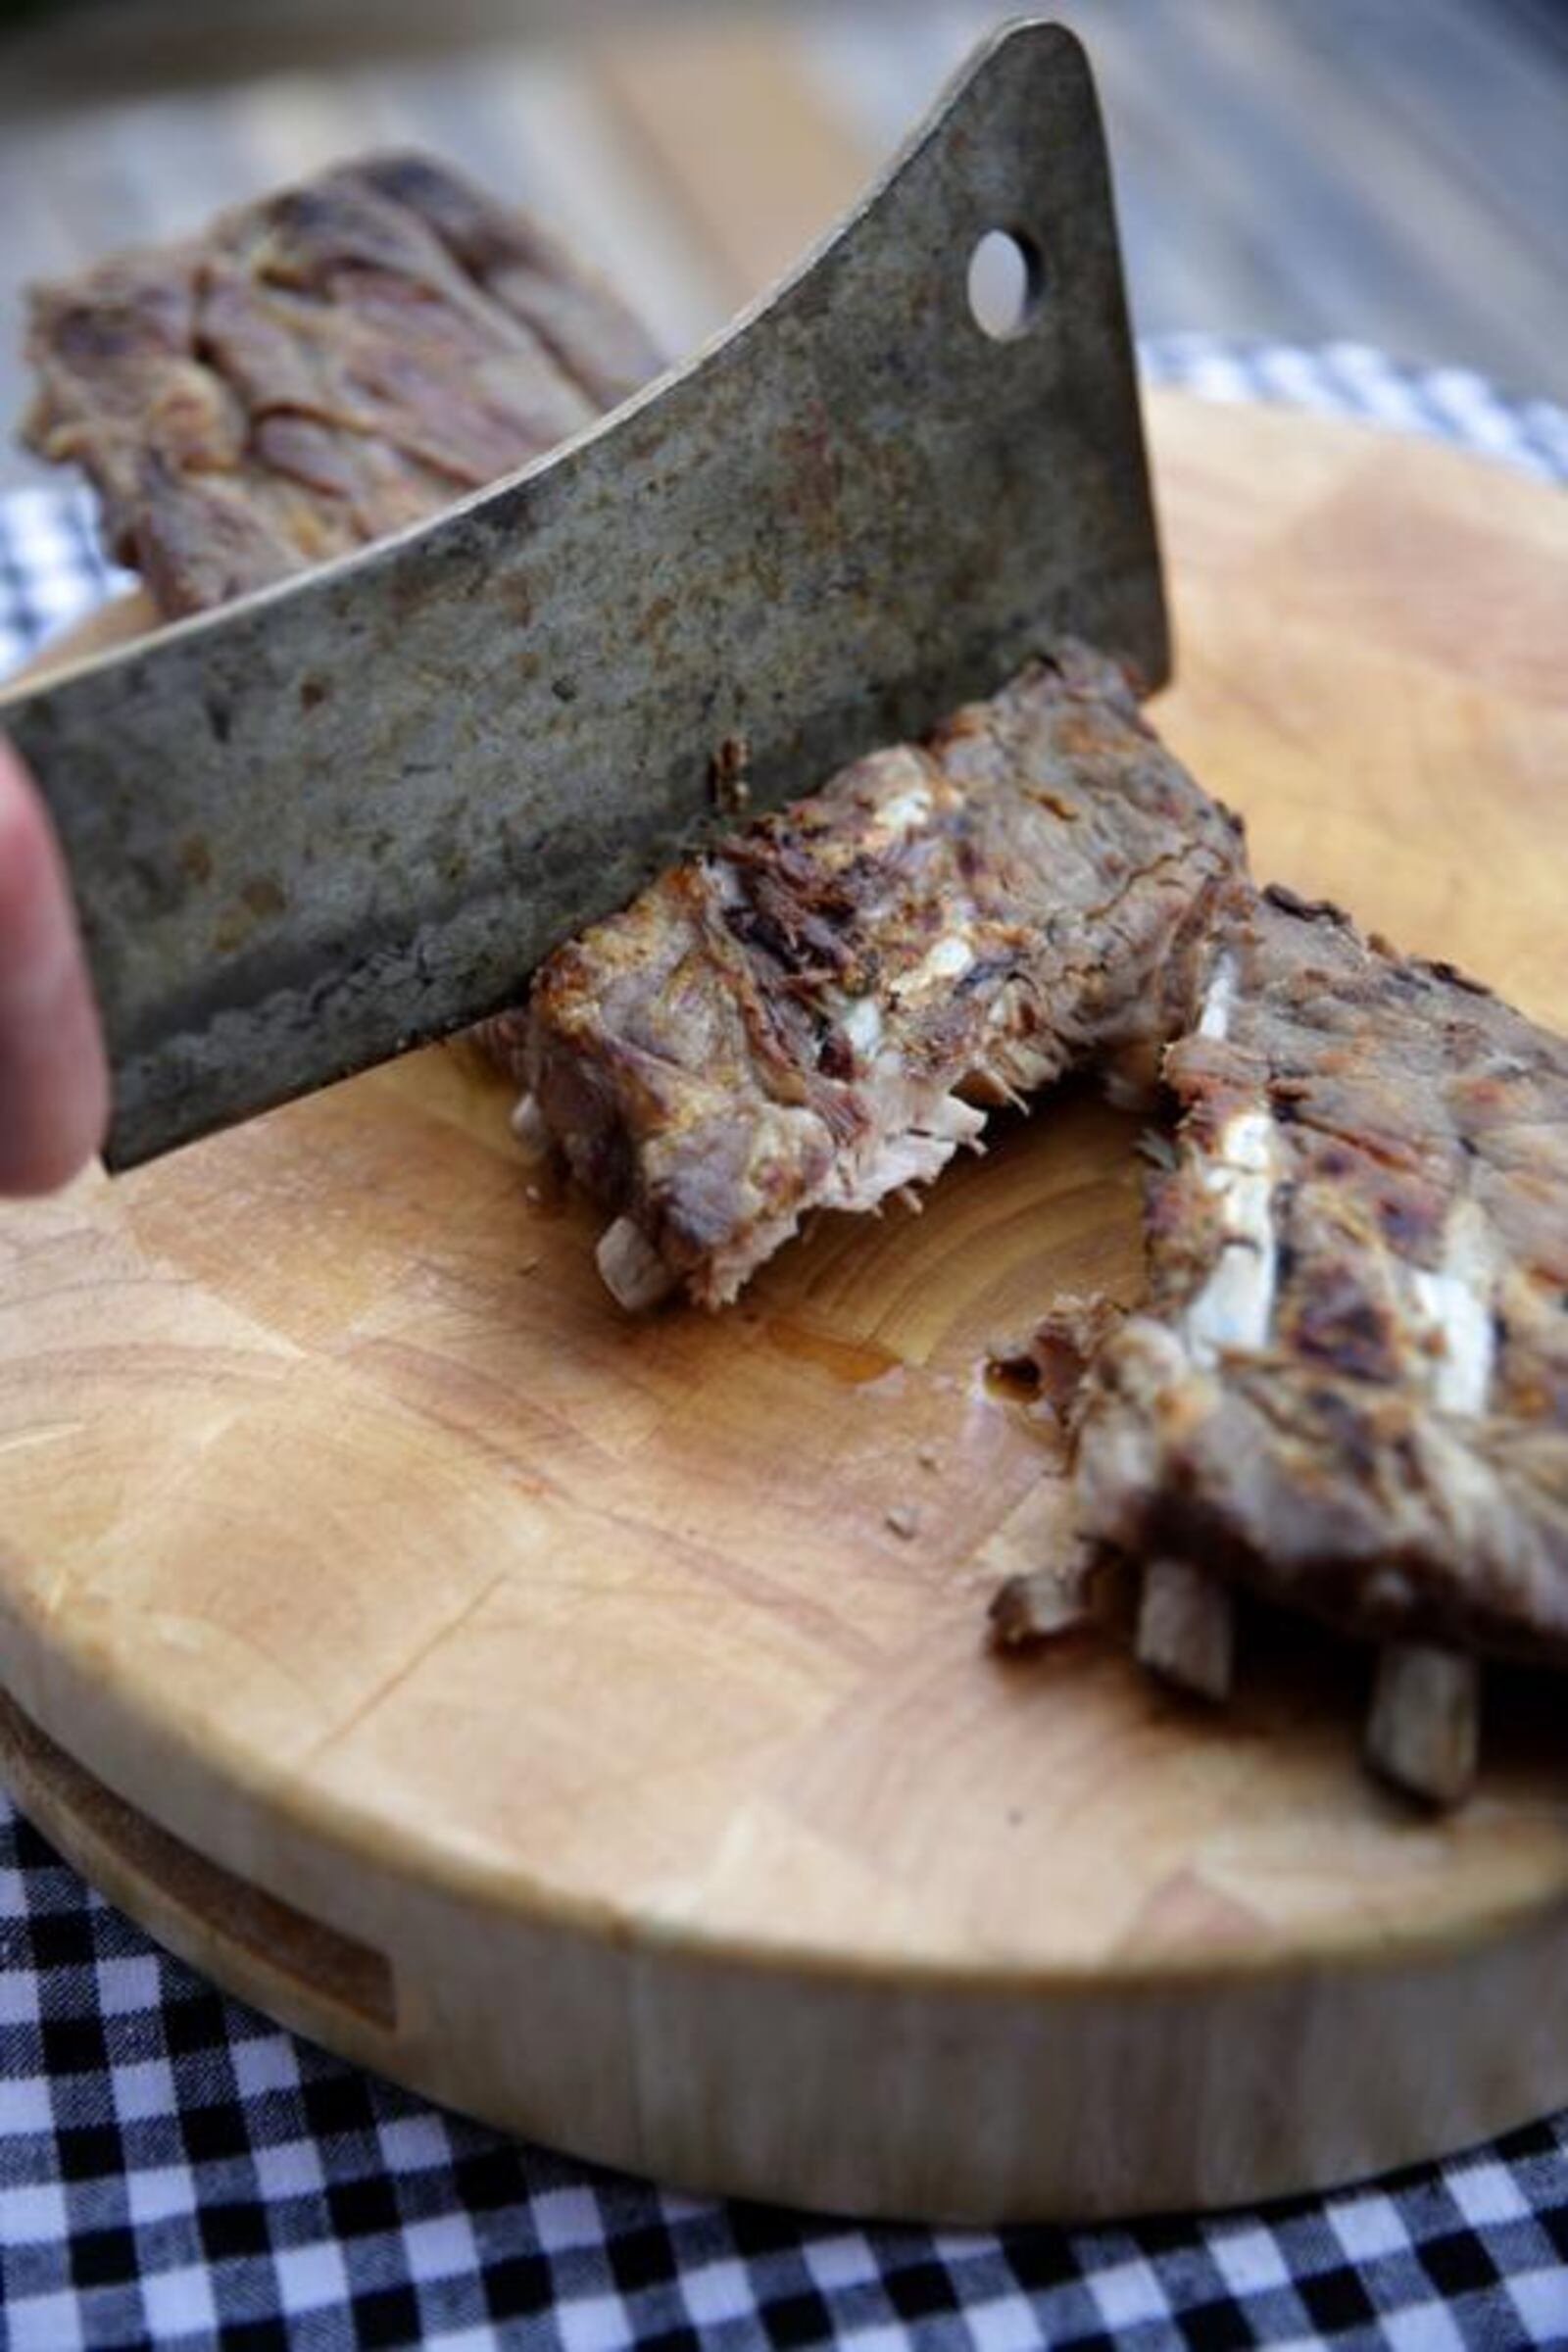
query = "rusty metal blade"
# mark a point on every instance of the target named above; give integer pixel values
(355, 812)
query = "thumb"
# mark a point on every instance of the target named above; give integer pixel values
(54, 1082)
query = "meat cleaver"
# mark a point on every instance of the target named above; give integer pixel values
(353, 812)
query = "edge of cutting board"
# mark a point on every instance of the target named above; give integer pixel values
(1366, 634)
(963, 2104)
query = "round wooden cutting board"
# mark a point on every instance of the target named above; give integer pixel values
(589, 1721)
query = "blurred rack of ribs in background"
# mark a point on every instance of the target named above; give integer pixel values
(1387, 171)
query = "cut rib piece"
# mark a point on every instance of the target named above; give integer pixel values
(800, 1018)
(319, 368)
(1350, 1387)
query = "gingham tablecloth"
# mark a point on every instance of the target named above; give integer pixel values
(176, 2171)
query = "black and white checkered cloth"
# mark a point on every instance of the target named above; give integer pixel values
(176, 2171)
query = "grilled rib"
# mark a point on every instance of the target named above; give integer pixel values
(817, 1013)
(1349, 1388)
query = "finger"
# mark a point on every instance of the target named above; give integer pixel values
(54, 1082)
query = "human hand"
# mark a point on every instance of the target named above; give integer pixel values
(53, 1080)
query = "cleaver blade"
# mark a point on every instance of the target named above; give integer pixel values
(353, 812)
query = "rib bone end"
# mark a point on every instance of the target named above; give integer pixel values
(1040, 1606)
(1423, 1727)
(529, 1125)
(1187, 1629)
(634, 1274)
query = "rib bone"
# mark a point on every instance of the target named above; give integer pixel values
(1422, 1729)
(529, 1126)
(1038, 1607)
(1187, 1629)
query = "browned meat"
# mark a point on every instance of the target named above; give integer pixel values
(318, 369)
(1349, 1388)
(1048, 1362)
(812, 1014)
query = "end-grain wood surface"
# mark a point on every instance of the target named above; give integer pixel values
(603, 1703)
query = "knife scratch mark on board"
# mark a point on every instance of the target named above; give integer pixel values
(372, 1699)
(50, 1436)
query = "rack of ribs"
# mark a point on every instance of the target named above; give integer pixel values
(1349, 1387)
(316, 369)
(817, 1013)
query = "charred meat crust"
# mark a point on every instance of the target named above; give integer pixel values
(318, 369)
(1379, 1434)
(808, 1015)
